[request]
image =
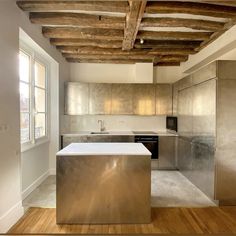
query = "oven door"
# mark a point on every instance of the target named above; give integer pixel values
(152, 146)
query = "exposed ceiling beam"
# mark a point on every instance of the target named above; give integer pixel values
(180, 22)
(108, 57)
(161, 61)
(165, 7)
(107, 51)
(74, 60)
(222, 2)
(167, 64)
(167, 44)
(84, 33)
(133, 19)
(171, 35)
(152, 58)
(76, 19)
(217, 34)
(173, 58)
(104, 6)
(86, 42)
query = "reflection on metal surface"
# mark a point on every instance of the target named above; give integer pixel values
(122, 99)
(76, 98)
(163, 99)
(144, 99)
(226, 136)
(103, 189)
(100, 99)
(167, 157)
(98, 139)
(197, 130)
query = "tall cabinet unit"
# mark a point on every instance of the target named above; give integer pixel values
(206, 108)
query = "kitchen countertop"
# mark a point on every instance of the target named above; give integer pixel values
(121, 133)
(80, 149)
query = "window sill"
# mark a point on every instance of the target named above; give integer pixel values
(28, 146)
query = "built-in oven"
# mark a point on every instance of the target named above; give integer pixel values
(150, 142)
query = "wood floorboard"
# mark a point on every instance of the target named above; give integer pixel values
(164, 220)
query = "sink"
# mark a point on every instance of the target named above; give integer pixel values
(101, 132)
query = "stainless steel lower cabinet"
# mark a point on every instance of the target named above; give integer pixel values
(103, 189)
(167, 152)
(66, 140)
(196, 161)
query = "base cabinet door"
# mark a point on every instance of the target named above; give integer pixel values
(167, 152)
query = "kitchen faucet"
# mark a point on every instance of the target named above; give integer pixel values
(102, 127)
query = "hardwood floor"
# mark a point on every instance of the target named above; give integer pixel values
(164, 220)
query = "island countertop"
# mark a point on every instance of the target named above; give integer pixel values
(75, 149)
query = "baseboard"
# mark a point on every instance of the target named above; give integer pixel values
(52, 171)
(34, 185)
(8, 219)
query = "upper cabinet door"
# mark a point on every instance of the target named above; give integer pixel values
(185, 112)
(76, 98)
(100, 99)
(122, 99)
(163, 99)
(144, 99)
(204, 108)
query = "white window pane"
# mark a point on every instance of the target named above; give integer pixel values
(25, 127)
(40, 125)
(24, 67)
(24, 97)
(40, 99)
(40, 75)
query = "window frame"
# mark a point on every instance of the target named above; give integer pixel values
(36, 57)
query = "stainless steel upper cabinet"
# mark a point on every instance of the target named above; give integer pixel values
(122, 99)
(163, 99)
(204, 109)
(185, 111)
(76, 98)
(144, 99)
(99, 99)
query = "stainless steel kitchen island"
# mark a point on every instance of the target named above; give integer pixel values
(103, 183)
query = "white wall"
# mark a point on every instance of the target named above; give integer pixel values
(11, 18)
(167, 74)
(122, 73)
(102, 73)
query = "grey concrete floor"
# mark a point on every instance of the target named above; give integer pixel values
(168, 189)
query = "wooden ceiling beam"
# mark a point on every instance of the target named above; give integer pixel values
(76, 19)
(109, 51)
(74, 60)
(195, 8)
(104, 6)
(84, 33)
(167, 44)
(86, 42)
(172, 35)
(222, 2)
(133, 19)
(173, 58)
(167, 64)
(217, 34)
(180, 22)
(108, 57)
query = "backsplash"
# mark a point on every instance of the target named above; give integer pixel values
(71, 124)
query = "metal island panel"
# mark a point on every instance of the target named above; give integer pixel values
(104, 189)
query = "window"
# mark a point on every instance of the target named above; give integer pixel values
(33, 97)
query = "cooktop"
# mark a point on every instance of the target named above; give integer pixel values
(143, 132)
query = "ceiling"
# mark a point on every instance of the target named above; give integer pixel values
(164, 33)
